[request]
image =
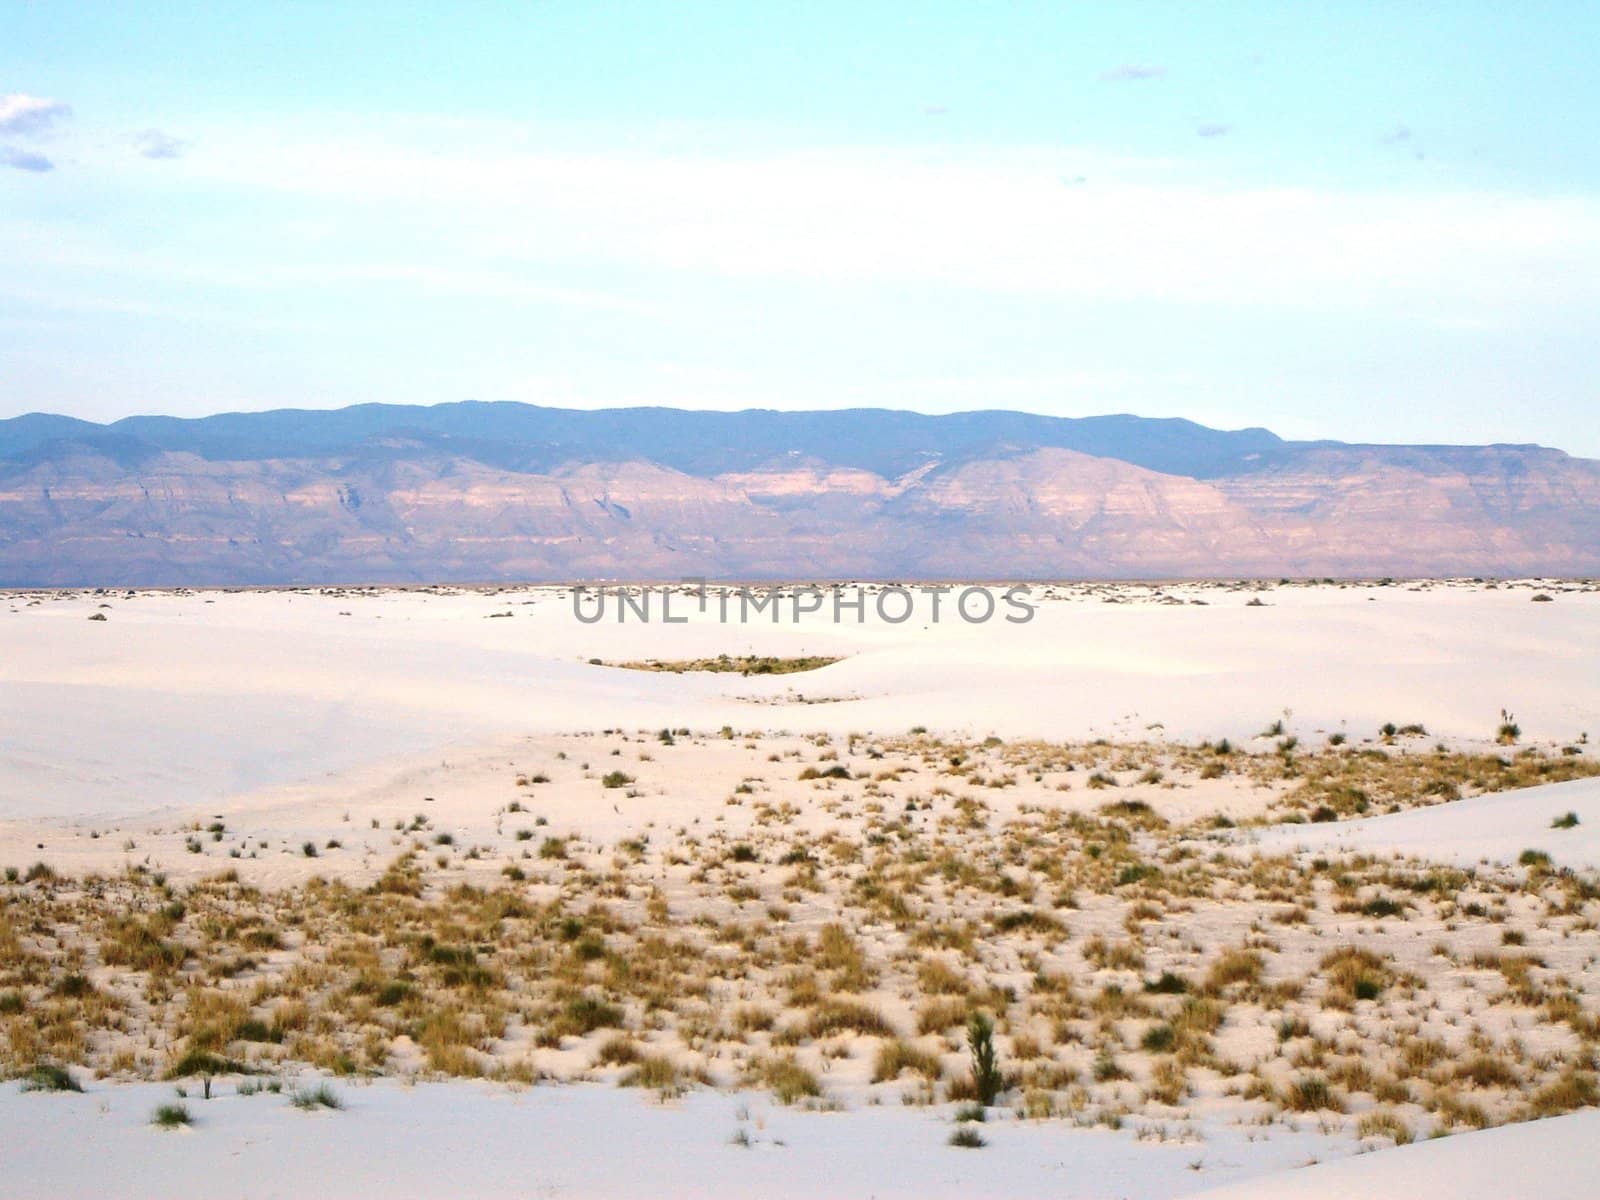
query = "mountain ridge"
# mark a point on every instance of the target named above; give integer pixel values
(388, 493)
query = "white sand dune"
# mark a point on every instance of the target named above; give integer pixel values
(1540, 1160)
(450, 1140)
(1495, 828)
(183, 698)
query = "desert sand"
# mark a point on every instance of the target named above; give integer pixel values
(1299, 806)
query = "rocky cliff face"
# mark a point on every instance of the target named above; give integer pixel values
(396, 507)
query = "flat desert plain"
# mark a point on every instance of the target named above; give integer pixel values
(1263, 889)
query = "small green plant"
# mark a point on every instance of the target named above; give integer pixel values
(1159, 1039)
(986, 1080)
(967, 1138)
(1168, 984)
(616, 779)
(1565, 821)
(171, 1116)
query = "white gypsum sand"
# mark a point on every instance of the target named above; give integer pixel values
(687, 887)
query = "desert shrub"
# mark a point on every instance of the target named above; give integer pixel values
(1158, 1039)
(1113, 956)
(786, 1079)
(584, 1014)
(617, 1051)
(1486, 1070)
(1353, 974)
(1311, 1093)
(171, 1116)
(839, 1016)
(310, 1099)
(1237, 965)
(837, 771)
(940, 1014)
(1168, 1083)
(654, 1071)
(1383, 1123)
(48, 1077)
(1575, 1089)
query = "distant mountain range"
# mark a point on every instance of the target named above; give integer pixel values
(478, 492)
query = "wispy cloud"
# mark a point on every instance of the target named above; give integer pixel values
(25, 160)
(22, 115)
(953, 218)
(1403, 139)
(1214, 129)
(152, 143)
(1133, 73)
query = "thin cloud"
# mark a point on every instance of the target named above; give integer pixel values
(152, 143)
(1214, 130)
(1401, 138)
(27, 116)
(25, 160)
(1132, 73)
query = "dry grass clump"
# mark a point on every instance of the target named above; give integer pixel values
(1352, 975)
(897, 1056)
(1384, 1124)
(785, 1078)
(940, 1014)
(654, 1071)
(838, 1015)
(1234, 967)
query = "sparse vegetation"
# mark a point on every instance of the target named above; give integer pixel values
(957, 899)
(742, 664)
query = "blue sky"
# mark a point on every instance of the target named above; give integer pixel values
(1367, 221)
